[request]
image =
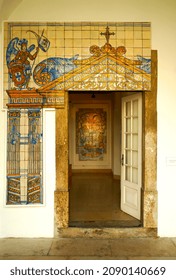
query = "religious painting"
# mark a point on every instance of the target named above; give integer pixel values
(91, 131)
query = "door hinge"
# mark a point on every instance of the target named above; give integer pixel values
(122, 159)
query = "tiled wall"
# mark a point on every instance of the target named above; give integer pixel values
(79, 57)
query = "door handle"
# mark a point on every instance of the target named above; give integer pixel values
(122, 159)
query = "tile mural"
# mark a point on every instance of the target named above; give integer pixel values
(77, 56)
(44, 59)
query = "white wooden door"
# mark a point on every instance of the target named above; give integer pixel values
(131, 156)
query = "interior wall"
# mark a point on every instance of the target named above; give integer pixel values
(83, 101)
(116, 134)
(115, 99)
(162, 16)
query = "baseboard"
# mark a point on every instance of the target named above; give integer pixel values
(116, 177)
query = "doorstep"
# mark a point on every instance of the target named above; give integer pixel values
(105, 233)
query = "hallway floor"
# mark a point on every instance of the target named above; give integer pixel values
(95, 202)
(88, 249)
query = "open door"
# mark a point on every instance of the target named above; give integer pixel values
(131, 157)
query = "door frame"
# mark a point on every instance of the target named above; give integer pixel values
(149, 161)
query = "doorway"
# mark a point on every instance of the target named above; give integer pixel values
(95, 186)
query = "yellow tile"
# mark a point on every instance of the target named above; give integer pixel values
(146, 28)
(68, 27)
(102, 27)
(130, 52)
(120, 34)
(94, 34)
(77, 34)
(129, 35)
(68, 43)
(120, 28)
(77, 43)
(120, 42)
(85, 34)
(137, 35)
(84, 27)
(19, 28)
(146, 43)
(16, 34)
(59, 43)
(146, 52)
(137, 51)
(129, 43)
(101, 42)
(85, 52)
(77, 51)
(137, 43)
(59, 27)
(53, 42)
(76, 28)
(94, 27)
(112, 28)
(68, 34)
(68, 52)
(59, 52)
(50, 28)
(94, 42)
(60, 34)
(129, 28)
(113, 42)
(85, 43)
(146, 34)
(52, 52)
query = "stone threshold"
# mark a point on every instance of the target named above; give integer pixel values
(106, 233)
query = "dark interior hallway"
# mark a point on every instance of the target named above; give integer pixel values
(95, 202)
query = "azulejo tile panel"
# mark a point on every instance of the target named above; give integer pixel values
(76, 56)
(24, 156)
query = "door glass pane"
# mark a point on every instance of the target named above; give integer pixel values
(135, 175)
(135, 108)
(135, 158)
(135, 125)
(128, 158)
(127, 173)
(128, 109)
(128, 141)
(135, 141)
(128, 124)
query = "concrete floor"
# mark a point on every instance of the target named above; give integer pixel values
(88, 249)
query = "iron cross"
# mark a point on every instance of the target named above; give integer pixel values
(107, 34)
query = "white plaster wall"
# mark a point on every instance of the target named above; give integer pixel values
(163, 19)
